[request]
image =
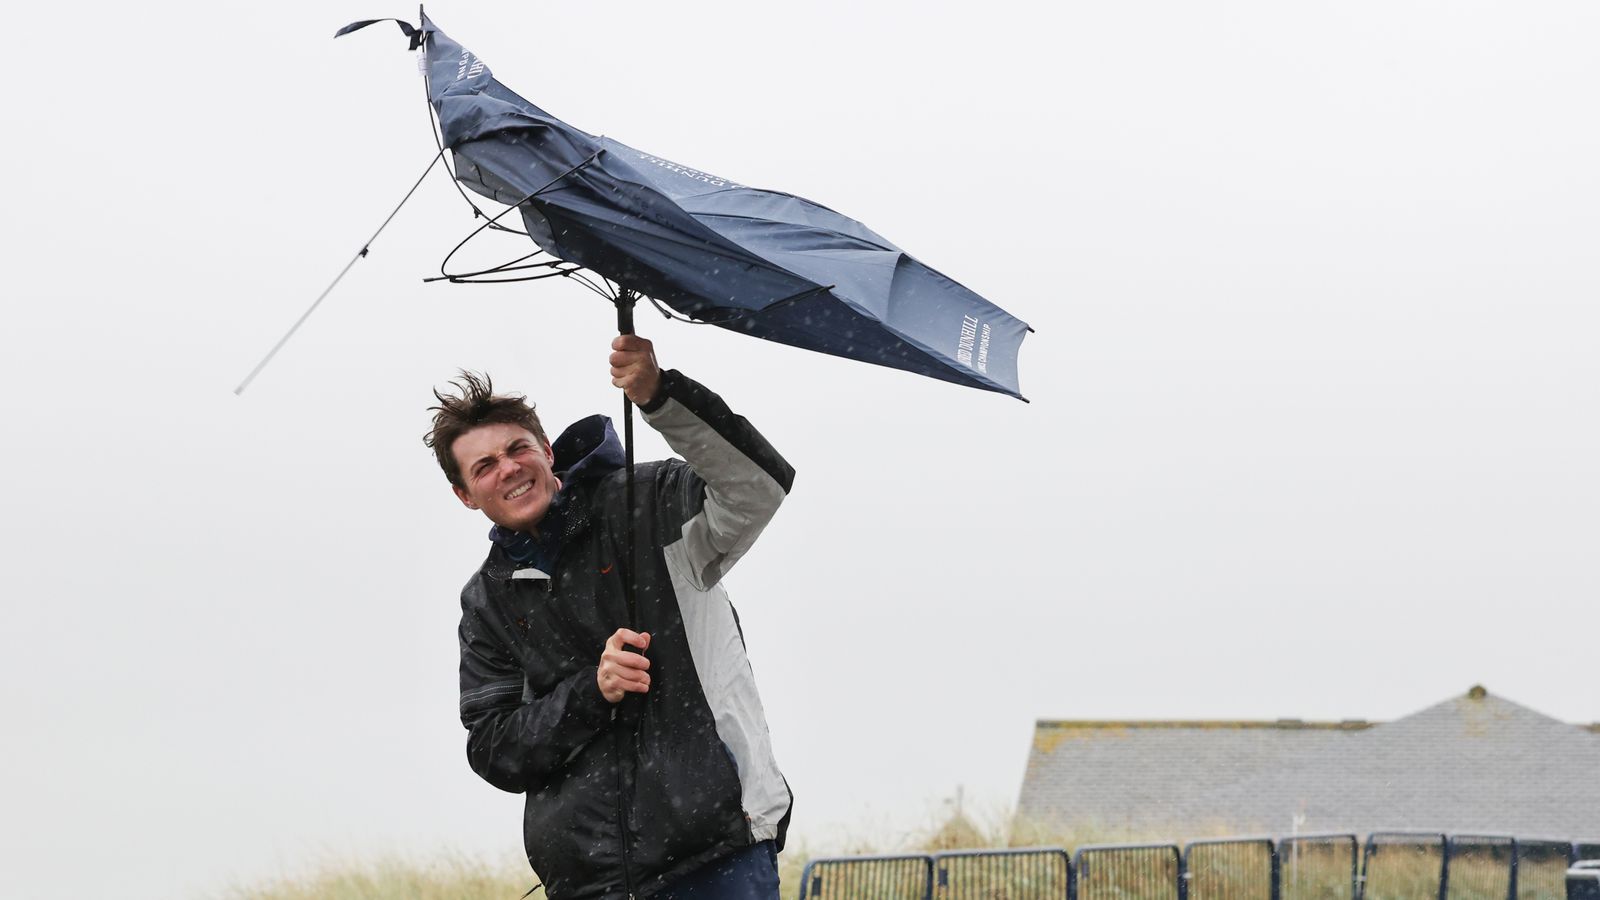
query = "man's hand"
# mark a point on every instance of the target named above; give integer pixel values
(623, 671)
(633, 368)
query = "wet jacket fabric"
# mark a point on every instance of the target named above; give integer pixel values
(623, 799)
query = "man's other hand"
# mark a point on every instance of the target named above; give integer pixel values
(623, 671)
(633, 368)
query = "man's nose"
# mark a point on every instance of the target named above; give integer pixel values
(508, 467)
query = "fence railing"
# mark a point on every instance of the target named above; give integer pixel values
(1033, 873)
(1542, 867)
(1390, 865)
(1231, 869)
(1404, 865)
(1117, 871)
(859, 877)
(1482, 867)
(1319, 867)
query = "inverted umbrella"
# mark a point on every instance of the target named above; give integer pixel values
(765, 263)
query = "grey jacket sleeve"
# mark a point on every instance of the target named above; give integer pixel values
(733, 484)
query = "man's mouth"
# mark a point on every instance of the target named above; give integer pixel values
(526, 487)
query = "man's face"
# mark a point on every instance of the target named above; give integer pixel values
(506, 470)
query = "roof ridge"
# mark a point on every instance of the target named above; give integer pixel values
(1478, 697)
(1285, 724)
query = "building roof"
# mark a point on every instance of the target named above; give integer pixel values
(1472, 763)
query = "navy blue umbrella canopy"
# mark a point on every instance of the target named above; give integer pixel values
(762, 262)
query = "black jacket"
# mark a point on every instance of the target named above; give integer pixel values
(623, 799)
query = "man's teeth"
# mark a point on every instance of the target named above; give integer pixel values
(520, 491)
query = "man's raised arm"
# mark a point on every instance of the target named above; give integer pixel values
(735, 482)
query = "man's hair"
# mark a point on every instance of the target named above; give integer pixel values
(472, 405)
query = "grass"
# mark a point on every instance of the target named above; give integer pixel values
(449, 876)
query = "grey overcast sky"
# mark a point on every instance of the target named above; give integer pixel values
(1313, 433)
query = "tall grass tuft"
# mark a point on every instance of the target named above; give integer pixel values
(449, 876)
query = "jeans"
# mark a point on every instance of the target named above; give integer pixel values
(748, 874)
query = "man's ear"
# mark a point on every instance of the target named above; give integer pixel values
(462, 496)
(550, 454)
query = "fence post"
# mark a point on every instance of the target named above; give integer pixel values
(1444, 870)
(1360, 880)
(1183, 873)
(1356, 884)
(1275, 890)
(1516, 855)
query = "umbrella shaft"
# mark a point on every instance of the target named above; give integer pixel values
(625, 301)
(627, 569)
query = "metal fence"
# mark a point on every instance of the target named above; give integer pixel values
(1542, 868)
(868, 878)
(1403, 865)
(1034, 873)
(1124, 871)
(1231, 869)
(1389, 866)
(1482, 867)
(1319, 867)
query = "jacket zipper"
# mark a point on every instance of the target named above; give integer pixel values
(622, 820)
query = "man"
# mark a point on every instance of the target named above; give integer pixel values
(641, 746)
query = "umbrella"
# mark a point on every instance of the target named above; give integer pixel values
(762, 262)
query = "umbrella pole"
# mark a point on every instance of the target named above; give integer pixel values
(625, 301)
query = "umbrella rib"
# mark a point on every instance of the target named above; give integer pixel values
(509, 280)
(609, 292)
(672, 314)
(360, 254)
(479, 230)
(511, 266)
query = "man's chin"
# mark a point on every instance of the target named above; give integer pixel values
(528, 523)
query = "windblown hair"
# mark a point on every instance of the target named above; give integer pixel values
(472, 405)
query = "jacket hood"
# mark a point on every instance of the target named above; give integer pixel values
(586, 451)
